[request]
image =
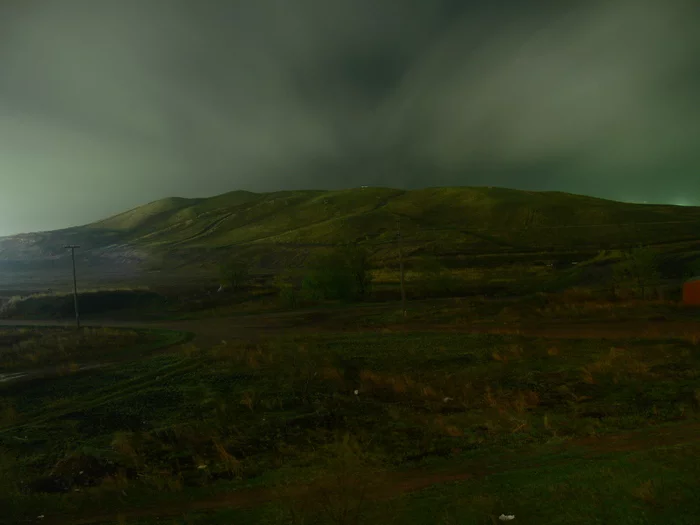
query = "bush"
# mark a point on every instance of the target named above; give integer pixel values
(343, 273)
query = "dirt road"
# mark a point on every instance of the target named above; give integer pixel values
(214, 330)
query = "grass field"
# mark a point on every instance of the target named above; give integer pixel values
(396, 420)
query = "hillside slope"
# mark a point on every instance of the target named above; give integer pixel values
(441, 220)
(363, 214)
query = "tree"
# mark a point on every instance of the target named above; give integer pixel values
(234, 273)
(357, 260)
(343, 273)
(640, 267)
(643, 268)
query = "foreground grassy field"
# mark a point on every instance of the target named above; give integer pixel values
(390, 420)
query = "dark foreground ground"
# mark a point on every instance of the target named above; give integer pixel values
(457, 413)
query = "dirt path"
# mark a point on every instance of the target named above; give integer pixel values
(260, 326)
(214, 330)
(394, 484)
(639, 329)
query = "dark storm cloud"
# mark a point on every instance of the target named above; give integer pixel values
(609, 87)
(105, 105)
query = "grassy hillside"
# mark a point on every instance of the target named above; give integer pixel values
(488, 218)
(286, 225)
(154, 214)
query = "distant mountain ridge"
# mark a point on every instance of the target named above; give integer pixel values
(471, 219)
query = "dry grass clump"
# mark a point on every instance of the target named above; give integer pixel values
(618, 364)
(27, 348)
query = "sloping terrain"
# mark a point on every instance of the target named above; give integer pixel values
(440, 220)
(476, 215)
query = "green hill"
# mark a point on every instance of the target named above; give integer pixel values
(472, 219)
(446, 221)
(154, 214)
(363, 214)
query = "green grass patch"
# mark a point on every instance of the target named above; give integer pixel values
(198, 422)
(30, 348)
(644, 487)
(91, 303)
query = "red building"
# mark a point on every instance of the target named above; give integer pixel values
(691, 292)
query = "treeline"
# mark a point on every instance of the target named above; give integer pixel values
(345, 274)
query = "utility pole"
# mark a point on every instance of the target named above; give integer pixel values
(72, 248)
(401, 272)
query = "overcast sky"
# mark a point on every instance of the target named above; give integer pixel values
(107, 104)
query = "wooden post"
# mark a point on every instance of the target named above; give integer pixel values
(72, 248)
(401, 269)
